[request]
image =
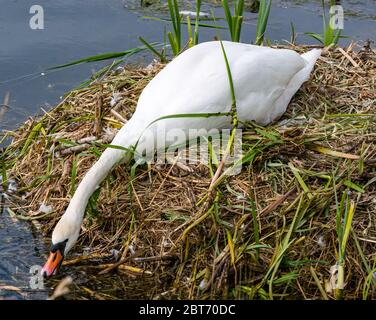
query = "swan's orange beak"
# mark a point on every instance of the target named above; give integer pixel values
(53, 263)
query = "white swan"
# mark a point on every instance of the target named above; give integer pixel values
(196, 81)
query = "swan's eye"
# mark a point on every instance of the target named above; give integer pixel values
(59, 246)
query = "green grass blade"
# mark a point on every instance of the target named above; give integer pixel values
(263, 16)
(32, 135)
(99, 57)
(228, 16)
(316, 36)
(197, 23)
(152, 49)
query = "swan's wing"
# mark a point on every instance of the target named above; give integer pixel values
(197, 82)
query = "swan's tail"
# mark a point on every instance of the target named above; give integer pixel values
(296, 82)
(310, 57)
(303, 75)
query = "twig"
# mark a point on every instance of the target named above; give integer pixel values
(139, 259)
(4, 106)
(155, 258)
(98, 117)
(84, 146)
(118, 116)
(62, 288)
(348, 57)
(113, 266)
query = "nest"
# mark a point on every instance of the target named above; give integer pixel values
(272, 231)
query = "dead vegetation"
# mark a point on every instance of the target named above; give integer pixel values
(302, 208)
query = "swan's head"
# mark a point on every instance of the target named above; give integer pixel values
(64, 237)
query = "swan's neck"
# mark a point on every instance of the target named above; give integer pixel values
(90, 183)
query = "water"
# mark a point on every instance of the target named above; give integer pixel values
(76, 29)
(22, 247)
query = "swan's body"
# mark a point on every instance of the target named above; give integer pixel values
(196, 81)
